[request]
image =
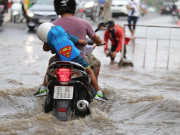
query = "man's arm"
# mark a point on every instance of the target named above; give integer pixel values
(97, 40)
(106, 37)
(76, 40)
(143, 9)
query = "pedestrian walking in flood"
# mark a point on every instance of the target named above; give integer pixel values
(133, 14)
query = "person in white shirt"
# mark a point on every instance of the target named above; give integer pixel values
(133, 7)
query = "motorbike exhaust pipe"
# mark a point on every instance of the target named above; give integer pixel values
(82, 105)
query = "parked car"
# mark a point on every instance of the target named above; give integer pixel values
(119, 8)
(41, 11)
(166, 8)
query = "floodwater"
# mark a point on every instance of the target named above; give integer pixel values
(142, 101)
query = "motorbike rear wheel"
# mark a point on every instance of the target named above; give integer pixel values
(17, 18)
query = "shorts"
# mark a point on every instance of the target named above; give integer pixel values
(92, 61)
(79, 59)
(133, 19)
(113, 48)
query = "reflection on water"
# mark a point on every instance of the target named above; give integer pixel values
(30, 39)
(29, 51)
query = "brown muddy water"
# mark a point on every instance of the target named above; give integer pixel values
(142, 101)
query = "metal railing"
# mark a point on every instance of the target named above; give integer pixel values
(147, 27)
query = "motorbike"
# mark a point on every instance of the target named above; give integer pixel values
(1, 14)
(80, 13)
(70, 89)
(174, 12)
(17, 12)
(68, 86)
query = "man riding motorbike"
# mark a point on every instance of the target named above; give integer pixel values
(77, 27)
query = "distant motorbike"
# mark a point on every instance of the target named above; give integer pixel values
(1, 14)
(174, 12)
(70, 89)
(17, 12)
(80, 13)
(93, 9)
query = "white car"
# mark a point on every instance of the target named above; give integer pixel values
(119, 7)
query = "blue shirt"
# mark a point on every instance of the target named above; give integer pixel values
(62, 43)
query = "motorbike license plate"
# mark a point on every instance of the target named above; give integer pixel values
(63, 92)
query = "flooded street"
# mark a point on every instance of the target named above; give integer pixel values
(142, 101)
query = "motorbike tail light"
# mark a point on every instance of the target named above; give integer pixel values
(62, 110)
(63, 74)
(81, 10)
(179, 10)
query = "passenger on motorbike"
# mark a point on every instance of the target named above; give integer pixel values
(77, 27)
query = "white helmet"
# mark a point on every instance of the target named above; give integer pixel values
(43, 30)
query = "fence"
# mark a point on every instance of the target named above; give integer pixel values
(169, 34)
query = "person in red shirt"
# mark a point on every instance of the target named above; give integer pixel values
(114, 33)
